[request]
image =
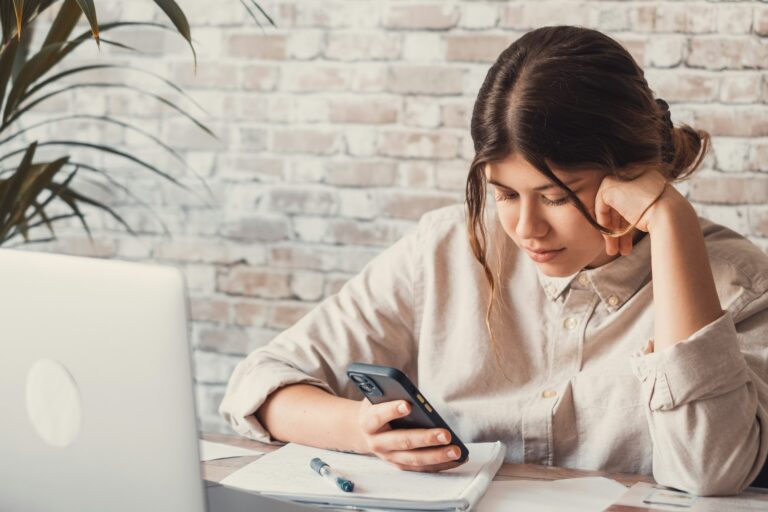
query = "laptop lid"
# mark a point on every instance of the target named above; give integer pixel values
(95, 386)
(96, 389)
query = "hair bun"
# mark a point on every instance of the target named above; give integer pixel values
(664, 106)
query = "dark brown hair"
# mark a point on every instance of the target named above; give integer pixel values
(572, 98)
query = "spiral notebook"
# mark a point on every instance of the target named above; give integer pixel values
(285, 473)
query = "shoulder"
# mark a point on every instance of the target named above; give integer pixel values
(739, 267)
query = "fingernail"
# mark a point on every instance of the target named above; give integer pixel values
(402, 408)
(453, 454)
(441, 437)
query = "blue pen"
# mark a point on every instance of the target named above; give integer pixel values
(326, 472)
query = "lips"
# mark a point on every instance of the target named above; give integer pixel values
(543, 255)
(542, 250)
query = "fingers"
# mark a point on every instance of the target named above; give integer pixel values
(425, 459)
(377, 417)
(417, 449)
(430, 469)
(409, 439)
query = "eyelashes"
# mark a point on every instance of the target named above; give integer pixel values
(502, 196)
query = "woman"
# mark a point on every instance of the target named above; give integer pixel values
(543, 327)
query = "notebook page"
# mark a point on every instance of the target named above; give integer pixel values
(286, 471)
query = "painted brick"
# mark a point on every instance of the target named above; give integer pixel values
(416, 173)
(457, 115)
(254, 282)
(353, 46)
(727, 53)
(284, 314)
(741, 87)
(361, 173)
(258, 46)
(421, 111)
(665, 52)
(304, 256)
(730, 154)
(760, 24)
(202, 251)
(730, 189)
(418, 144)
(364, 110)
(259, 77)
(311, 200)
(209, 310)
(250, 313)
(414, 205)
(423, 46)
(684, 86)
(434, 16)
(314, 78)
(305, 140)
(532, 14)
(478, 15)
(476, 47)
(307, 285)
(734, 18)
(257, 228)
(425, 80)
(735, 121)
(758, 157)
(355, 233)
(758, 221)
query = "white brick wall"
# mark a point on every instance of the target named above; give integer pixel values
(340, 127)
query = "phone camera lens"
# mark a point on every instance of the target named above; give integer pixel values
(366, 387)
(357, 378)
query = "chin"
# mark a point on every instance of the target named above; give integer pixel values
(556, 270)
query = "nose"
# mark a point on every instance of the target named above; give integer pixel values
(530, 223)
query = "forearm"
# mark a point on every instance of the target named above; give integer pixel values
(306, 414)
(684, 294)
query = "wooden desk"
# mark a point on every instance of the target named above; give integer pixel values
(216, 470)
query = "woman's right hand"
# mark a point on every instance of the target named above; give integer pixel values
(417, 449)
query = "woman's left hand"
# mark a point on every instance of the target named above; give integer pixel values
(621, 203)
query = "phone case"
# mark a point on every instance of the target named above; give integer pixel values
(392, 385)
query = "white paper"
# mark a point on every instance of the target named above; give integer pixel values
(591, 494)
(286, 472)
(212, 451)
(752, 500)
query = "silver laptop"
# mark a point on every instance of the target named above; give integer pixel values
(96, 391)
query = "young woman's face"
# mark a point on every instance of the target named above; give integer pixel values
(540, 219)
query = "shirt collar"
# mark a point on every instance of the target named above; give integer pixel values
(615, 282)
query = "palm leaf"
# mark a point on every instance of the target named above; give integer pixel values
(11, 189)
(7, 58)
(18, 7)
(179, 20)
(82, 69)
(106, 85)
(66, 19)
(90, 13)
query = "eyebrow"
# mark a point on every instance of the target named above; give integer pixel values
(539, 188)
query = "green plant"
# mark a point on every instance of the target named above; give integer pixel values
(30, 188)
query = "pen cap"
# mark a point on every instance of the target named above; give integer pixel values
(316, 464)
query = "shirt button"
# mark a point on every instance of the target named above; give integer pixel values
(613, 301)
(583, 279)
(548, 393)
(570, 323)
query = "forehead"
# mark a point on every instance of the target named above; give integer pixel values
(516, 172)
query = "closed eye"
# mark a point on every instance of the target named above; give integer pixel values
(503, 195)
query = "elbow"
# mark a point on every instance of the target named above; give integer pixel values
(706, 483)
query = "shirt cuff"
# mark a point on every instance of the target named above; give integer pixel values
(247, 392)
(707, 364)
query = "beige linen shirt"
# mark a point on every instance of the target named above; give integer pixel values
(580, 390)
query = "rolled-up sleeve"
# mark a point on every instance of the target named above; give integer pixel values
(369, 320)
(707, 403)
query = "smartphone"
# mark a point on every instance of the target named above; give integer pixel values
(385, 384)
